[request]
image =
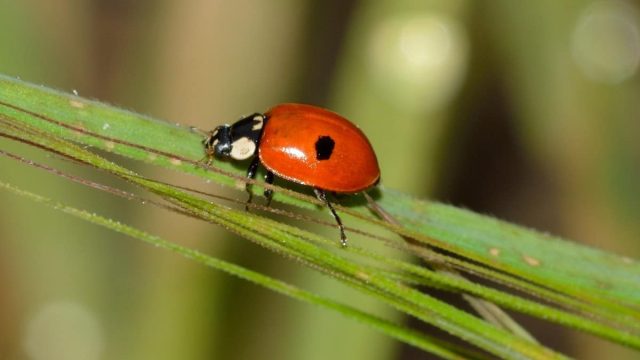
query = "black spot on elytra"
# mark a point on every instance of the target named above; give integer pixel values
(324, 147)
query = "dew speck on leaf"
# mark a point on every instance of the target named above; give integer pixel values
(531, 261)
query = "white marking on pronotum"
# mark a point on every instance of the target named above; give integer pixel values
(242, 148)
(259, 121)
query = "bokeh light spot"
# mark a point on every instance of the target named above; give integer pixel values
(63, 330)
(606, 42)
(419, 59)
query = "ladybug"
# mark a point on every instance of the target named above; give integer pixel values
(301, 143)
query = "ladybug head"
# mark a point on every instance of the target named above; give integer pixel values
(218, 143)
(238, 141)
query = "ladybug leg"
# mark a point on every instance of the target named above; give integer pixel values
(268, 193)
(251, 174)
(322, 196)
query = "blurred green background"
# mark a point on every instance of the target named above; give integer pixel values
(529, 111)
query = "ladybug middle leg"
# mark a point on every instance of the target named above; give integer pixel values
(322, 196)
(268, 193)
(251, 174)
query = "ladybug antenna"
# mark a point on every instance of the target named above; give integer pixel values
(200, 131)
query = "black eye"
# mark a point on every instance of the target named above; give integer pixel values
(324, 147)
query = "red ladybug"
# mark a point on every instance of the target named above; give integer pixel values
(304, 144)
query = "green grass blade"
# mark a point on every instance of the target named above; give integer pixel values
(293, 243)
(561, 272)
(417, 339)
(553, 262)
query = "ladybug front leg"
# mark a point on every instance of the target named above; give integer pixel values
(322, 196)
(251, 174)
(268, 193)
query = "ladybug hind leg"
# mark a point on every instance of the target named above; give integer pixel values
(251, 174)
(322, 196)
